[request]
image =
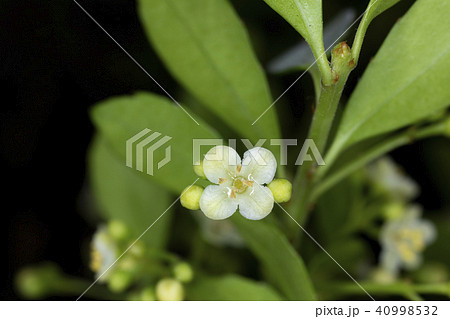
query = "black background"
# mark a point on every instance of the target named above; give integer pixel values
(56, 63)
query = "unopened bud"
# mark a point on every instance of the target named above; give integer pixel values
(183, 272)
(198, 169)
(382, 276)
(393, 210)
(190, 197)
(169, 290)
(120, 280)
(148, 294)
(38, 282)
(281, 190)
(341, 61)
(118, 230)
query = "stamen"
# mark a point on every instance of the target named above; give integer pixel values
(238, 168)
(248, 183)
(222, 180)
(232, 193)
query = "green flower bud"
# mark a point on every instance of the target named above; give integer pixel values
(393, 210)
(169, 290)
(118, 230)
(382, 276)
(198, 169)
(120, 280)
(190, 197)
(137, 250)
(183, 272)
(341, 61)
(281, 190)
(128, 263)
(148, 294)
(38, 282)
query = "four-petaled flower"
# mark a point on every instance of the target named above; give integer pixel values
(404, 239)
(239, 183)
(103, 253)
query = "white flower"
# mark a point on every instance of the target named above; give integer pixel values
(386, 174)
(240, 184)
(404, 239)
(103, 253)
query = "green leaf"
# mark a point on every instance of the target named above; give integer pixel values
(124, 195)
(335, 210)
(120, 118)
(306, 17)
(353, 254)
(375, 8)
(230, 288)
(206, 48)
(280, 259)
(406, 81)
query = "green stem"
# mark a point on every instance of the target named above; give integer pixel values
(71, 286)
(315, 75)
(324, 67)
(319, 131)
(379, 149)
(359, 37)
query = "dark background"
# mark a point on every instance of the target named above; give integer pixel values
(55, 63)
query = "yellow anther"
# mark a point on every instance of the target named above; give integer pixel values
(96, 260)
(406, 252)
(222, 180)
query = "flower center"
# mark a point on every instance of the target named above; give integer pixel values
(96, 260)
(239, 186)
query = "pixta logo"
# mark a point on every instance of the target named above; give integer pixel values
(141, 148)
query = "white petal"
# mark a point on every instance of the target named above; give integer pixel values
(390, 261)
(216, 204)
(256, 203)
(429, 231)
(105, 245)
(259, 165)
(220, 162)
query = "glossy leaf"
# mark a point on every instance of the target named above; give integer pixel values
(279, 258)
(122, 194)
(375, 8)
(206, 48)
(230, 288)
(120, 118)
(306, 17)
(406, 81)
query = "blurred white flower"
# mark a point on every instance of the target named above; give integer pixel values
(240, 183)
(221, 233)
(388, 176)
(103, 252)
(404, 239)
